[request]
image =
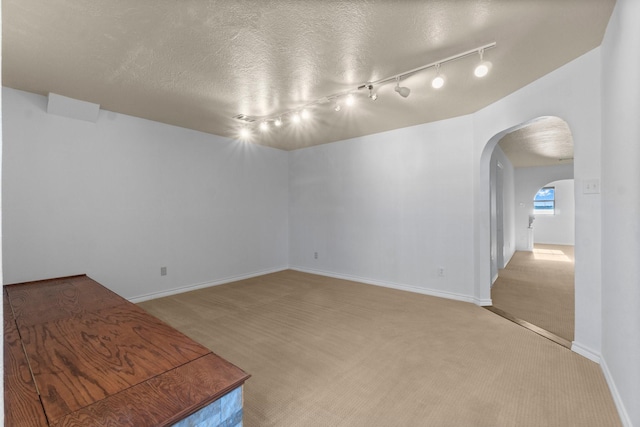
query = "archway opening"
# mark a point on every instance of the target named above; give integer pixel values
(520, 161)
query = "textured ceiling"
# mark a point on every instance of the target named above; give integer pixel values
(546, 141)
(198, 63)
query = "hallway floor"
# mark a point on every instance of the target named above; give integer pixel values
(538, 287)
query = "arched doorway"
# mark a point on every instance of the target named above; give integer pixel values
(522, 160)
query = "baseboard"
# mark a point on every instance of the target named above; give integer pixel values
(402, 287)
(487, 302)
(506, 261)
(196, 286)
(585, 352)
(622, 411)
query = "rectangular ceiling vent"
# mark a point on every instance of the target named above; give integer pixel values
(244, 118)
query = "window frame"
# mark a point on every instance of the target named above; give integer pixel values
(552, 202)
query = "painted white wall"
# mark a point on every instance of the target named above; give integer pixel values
(621, 208)
(527, 183)
(390, 208)
(572, 93)
(509, 216)
(122, 197)
(505, 251)
(559, 228)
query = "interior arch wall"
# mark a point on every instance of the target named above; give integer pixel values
(572, 93)
(559, 228)
(528, 182)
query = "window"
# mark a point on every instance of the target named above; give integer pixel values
(545, 201)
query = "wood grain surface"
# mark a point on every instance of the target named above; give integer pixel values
(21, 403)
(96, 359)
(164, 399)
(48, 300)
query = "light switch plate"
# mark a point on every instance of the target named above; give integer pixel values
(591, 186)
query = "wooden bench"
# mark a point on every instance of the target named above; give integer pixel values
(77, 354)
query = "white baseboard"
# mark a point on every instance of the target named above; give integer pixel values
(402, 287)
(483, 302)
(585, 352)
(188, 288)
(622, 411)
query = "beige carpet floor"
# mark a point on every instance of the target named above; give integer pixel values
(327, 352)
(538, 287)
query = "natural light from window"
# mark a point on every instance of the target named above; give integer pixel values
(544, 202)
(551, 255)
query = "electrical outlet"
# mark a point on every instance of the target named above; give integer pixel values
(315, 255)
(440, 271)
(163, 271)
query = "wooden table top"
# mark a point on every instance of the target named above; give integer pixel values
(96, 359)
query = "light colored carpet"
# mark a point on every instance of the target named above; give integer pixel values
(327, 352)
(539, 287)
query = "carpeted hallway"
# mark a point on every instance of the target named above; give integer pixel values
(538, 287)
(327, 352)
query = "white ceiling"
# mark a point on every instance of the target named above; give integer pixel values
(545, 141)
(198, 63)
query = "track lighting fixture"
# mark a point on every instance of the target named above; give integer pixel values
(372, 94)
(438, 80)
(403, 91)
(347, 98)
(482, 69)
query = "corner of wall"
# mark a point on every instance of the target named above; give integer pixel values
(617, 399)
(585, 351)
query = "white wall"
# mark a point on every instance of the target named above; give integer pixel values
(120, 198)
(559, 228)
(527, 183)
(621, 208)
(501, 254)
(390, 208)
(572, 93)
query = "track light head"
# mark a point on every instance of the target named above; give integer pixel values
(337, 107)
(483, 68)
(278, 122)
(438, 80)
(372, 94)
(403, 91)
(296, 117)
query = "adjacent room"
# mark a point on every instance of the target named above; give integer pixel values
(340, 203)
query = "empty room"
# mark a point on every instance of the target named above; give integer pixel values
(320, 213)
